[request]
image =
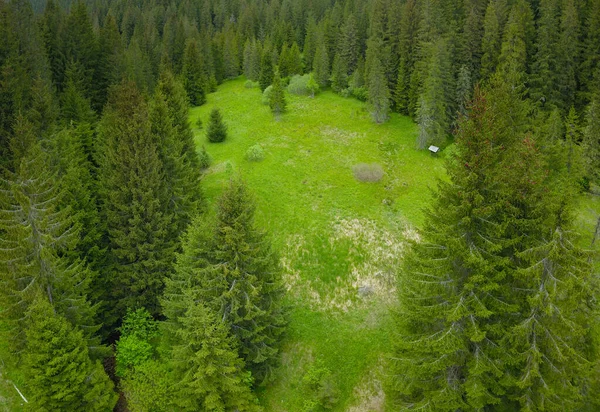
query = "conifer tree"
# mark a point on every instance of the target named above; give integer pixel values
(58, 372)
(348, 46)
(544, 87)
(265, 78)
(434, 102)
(216, 131)
(177, 150)
(339, 75)
(194, 80)
(407, 51)
(591, 138)
(277, 101)
(484, 320)
(251, 60)
(379, 94)
(569, 54)
(236, 275)
(133, 201)
(212, 375)
(321, 64)
(38, 241)
(492, 39)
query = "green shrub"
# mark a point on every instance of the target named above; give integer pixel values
(205, 159)
(361, 93)
(370, 173)
(199, 124)
(266, 97)
(320, 388)
(299, 85)
(250, 84)
(255, 153)
(135, 347)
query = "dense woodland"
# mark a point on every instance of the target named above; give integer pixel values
(117, 279)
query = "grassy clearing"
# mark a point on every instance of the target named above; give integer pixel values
(340, 239)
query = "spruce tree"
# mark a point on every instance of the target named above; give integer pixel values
(545, 68)
(37, 253)
(591, 138)
(251, 60)
(321, 64)
(234, 272)
(134, 206)
(432, 114)
(339, 75)
(194, 80)
(57, 369)
(277, 101)
(177, 151)
(484, 318)
(379, 94)
(212, 375)
(216, 131)
(265, 77)
(492, 39)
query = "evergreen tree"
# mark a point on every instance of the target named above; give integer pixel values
(265, 77)
(133, 201)
(349, 47)
(312, 85)
(236, 275)
(569, 54)
(590, 58)
(591, 138)
(277, 101)
(205, 357)
(251, 60)
(59, 374)
(379, 94)
(194, 80)
(492, 38)
(434, 102)
(177, 151)
(339, 75)
(38, 241)
(321, 64)
(216, 131)
(484, 320)
(545, 68)
(407, 51)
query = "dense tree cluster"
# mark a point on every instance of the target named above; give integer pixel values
(102, 217)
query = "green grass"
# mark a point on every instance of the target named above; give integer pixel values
(330, 228)
(332, 231)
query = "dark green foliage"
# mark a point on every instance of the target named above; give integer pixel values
(216, 131)
(194, 79)
(321, 65)
(321, 390)
(277, 101)
(591, 138)
(177, 151)
(379, 94)
(492, 37)
(265, 77)
(434, 102)
(134, 206)
(233, 271)
(38, 241)
(251, 60)
(204, 159)
(496, 280)
(348, 45)
(58, 372)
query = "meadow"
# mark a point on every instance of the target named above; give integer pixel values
(340, 239)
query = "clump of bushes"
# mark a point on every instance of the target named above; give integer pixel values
(266, 97)
(217, 129)
(365, 172)
(255, 153)
(320, 388)
(250, 84)
(205, 159)
(299, 85)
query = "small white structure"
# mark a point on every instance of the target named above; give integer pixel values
(434, 150)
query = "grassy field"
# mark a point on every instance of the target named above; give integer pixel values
(340, 239)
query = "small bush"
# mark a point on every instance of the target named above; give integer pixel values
(250, 84)
(346, 92)
(370, 173)
(361, 93)
(205, 159)
(199, 124)
(299, 85)
(255, 153)
(320, 389)
(266, 97)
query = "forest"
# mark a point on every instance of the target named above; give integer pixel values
(231, 205)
